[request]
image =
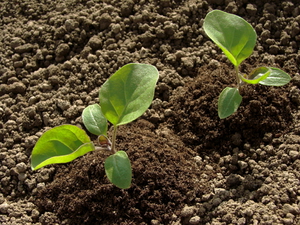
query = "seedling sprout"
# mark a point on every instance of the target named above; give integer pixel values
(124, 97)
(237, 39)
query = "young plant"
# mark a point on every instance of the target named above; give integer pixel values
(237, 38)
(124, 97)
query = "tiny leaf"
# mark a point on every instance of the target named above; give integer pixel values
(229, 101)
(127, 94)
(60, 144)
(257, 75)
(277, 77)
(118, 169)
(94, 120)
(104, 142)
(234, 35)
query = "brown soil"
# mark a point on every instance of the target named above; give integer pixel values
(189, 167)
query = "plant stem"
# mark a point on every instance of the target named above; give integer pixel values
(114, 137)
(237, 76)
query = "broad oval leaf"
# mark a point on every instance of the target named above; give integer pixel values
(118, 169)
(127, 94)
(60, 144)
(94, 120)
(277, 77)
(229, 101)
(234, 35)
(257, 75)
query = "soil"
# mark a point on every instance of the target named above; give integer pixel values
(189, 167)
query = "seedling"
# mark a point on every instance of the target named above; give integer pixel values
(124, 97)
(237, 38)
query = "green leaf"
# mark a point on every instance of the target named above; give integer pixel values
(118, 169)
(234, 35)
(94, 120)
(277, 77)
(229, 101)
(257, 75)
(127, 94)
(60, 144)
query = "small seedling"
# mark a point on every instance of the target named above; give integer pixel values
(124, 97)
(237, 38)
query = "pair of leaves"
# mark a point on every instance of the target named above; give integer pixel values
(230, 98)
(123, 98)
(268, 76)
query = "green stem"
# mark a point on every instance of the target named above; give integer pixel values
(237, 76)
(114, 137)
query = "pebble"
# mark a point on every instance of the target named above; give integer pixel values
(24, 48)
(188, 211)
(95, 43)
(4, 207)
(21, 167)
(195, 220)
(287, 208)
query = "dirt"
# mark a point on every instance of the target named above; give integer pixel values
(189, 167)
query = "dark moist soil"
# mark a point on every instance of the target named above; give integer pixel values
(189, 167)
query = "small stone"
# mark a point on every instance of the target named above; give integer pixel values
(63, 105)
(18, 64)
(62, 50)
(35, 213)
(251, 9)
(70, 24)
(233, 180)
(16, 42)
(216, 201)
(4, 88)
(242, 164)
(4, 207)
(115, 28)
(105, 21)
(91, 58)
(168, 112)
(288, 221)
(24, 48)
(95, 43)
(18, 88)
(287, 208)
(198, 159)
(187, 62)
(187, 211)
(22, 177)
(209, 167)
(294, 154)
(195, 220)
(155, 222)
(67, 65)
(21, 167)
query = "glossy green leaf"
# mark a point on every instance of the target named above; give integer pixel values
(257, 75)
(234, 35)
(118, 169)
(94, 120)
(229, 101)
(277, 77)
(60, 144)
(127, 94)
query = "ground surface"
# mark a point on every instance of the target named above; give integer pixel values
(189, 167)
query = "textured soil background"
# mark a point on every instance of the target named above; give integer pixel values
(189, 167)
